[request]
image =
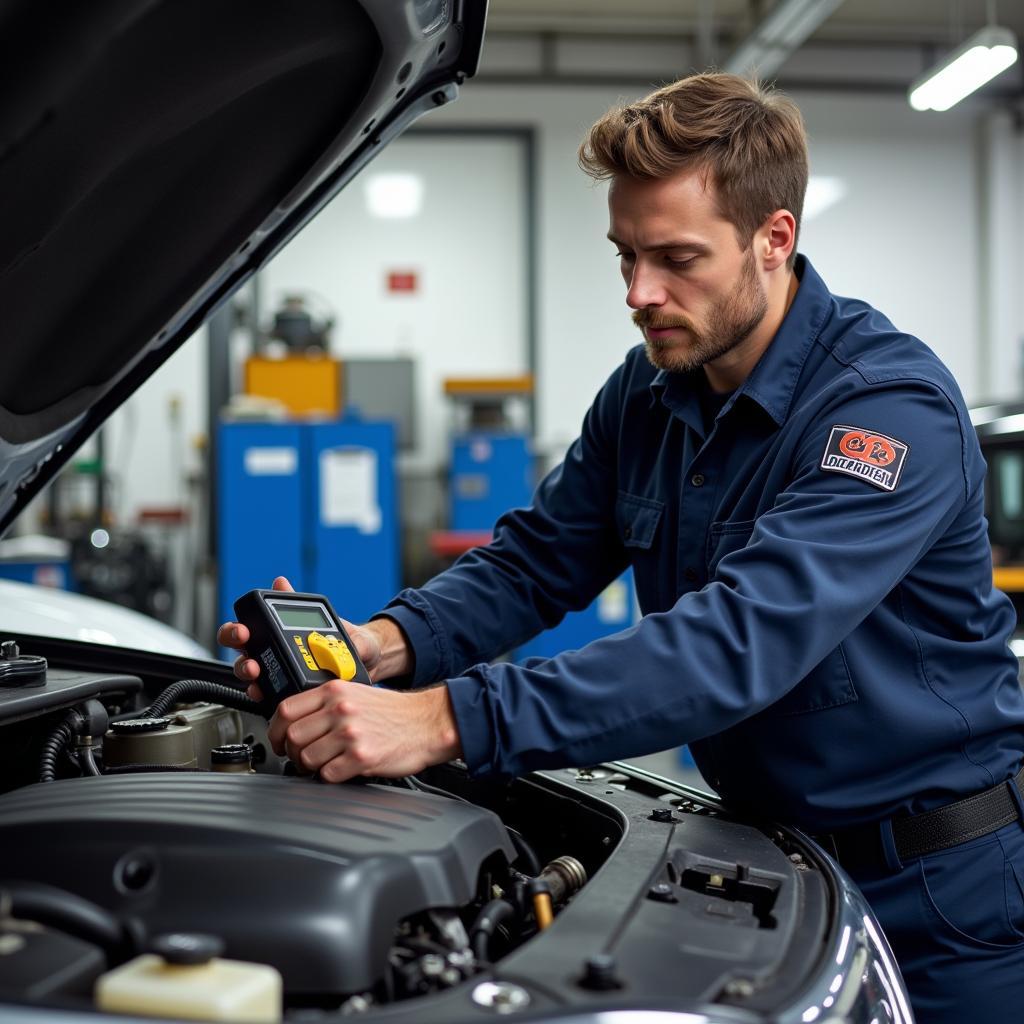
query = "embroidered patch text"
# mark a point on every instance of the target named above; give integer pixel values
(876, 458)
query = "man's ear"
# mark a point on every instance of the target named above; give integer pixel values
(776, 239)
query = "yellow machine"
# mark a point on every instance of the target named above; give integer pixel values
(306, 384)
(1000, 430)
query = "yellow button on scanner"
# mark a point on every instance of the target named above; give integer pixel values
(332, 655)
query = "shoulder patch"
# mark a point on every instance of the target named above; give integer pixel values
(876, 458)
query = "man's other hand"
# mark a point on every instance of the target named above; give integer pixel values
(370, 642)
(343, 729)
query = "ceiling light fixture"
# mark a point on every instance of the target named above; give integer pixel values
(986, 54)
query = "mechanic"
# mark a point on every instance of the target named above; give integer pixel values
(798, 488)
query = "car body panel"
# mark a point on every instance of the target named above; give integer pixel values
(48, 612)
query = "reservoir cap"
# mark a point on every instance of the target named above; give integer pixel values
(134, 726)
(186, 948)
(231, 753)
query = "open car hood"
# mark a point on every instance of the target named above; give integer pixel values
(156, 153)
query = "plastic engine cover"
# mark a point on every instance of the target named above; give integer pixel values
(308, 877)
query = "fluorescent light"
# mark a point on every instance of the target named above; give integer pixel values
(394, 195)
(822, 192)
(986, 54)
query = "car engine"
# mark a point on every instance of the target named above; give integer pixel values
(158, 859)
(315, 880)
(131, 824)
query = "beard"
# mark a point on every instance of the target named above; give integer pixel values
(730, 322)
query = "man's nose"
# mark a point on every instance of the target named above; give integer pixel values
(644, 289)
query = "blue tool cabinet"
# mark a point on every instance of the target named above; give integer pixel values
(316, 502)
(490, 474)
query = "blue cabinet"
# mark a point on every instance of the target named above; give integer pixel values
(352, 518)
(314, 502)
(490, 473)
(259, 508)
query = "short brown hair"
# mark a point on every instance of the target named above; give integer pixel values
(750, 138)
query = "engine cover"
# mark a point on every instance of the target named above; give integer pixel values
(308, 877)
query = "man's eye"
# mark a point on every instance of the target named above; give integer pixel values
(624, 255)
(680, 263)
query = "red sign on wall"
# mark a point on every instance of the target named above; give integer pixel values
(403, 281)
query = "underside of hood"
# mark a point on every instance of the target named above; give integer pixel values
(154, 154)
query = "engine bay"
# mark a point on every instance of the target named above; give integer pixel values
(143, 819)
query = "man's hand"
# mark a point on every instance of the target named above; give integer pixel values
(381, 646)
(343, 729)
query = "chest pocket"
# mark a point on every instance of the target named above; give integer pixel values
(829, 683)
(637, 519)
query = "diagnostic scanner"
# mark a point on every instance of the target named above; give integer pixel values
(298, 641)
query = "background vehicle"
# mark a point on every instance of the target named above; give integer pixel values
(1001, 433)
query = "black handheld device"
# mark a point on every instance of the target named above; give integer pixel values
(298, 640)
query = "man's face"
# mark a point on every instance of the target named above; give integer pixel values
(696, 294)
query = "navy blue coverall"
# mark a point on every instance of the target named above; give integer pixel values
(819, 621)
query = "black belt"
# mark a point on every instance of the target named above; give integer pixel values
(861, 847)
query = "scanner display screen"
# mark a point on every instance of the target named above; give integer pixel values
(295, 616)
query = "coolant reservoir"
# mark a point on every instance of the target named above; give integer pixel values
(159, 741)
(184, 978)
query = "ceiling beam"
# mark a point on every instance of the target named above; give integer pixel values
(706, 51)
(779, 33)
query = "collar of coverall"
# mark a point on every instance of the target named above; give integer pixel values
(773, 380)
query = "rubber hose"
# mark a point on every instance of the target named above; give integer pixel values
(64, 911)
(525, 851)
(56, 743)
(186, 690)
(87, 761)
(486, 924)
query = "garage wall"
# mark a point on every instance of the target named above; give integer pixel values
(156, 441)
(1001, 271)
(928, 230)
(906, 235)
(466, 247)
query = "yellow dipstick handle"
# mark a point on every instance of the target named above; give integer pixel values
(332, 655)
(542, 909)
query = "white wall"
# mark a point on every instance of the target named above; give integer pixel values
(907, 237)
(467, 245)
(583, 328)
(155, 441)
(1002, 268)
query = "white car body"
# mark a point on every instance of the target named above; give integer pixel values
(45, 611)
